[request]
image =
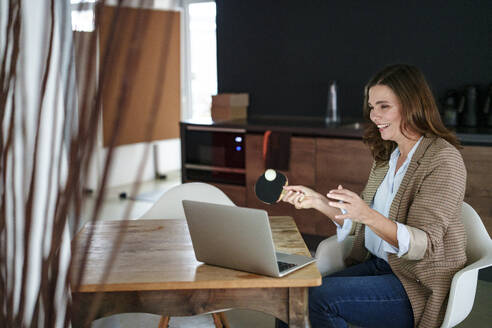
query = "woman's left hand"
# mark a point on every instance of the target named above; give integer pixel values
(356, 209)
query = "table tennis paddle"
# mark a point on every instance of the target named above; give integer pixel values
(269, 186)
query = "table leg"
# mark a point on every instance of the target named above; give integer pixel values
(298, 308)
(164, 322)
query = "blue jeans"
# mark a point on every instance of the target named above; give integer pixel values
(366, 295)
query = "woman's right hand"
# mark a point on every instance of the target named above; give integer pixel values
(303, 197)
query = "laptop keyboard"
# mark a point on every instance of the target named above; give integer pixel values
(282, 266)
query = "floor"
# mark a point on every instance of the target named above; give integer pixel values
(116, 207)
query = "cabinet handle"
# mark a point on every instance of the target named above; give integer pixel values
(214, 129)
(215, 168)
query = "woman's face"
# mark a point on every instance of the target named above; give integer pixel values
(385, 112)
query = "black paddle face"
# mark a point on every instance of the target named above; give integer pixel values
(270, 190)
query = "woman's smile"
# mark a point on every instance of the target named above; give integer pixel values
(381, 127)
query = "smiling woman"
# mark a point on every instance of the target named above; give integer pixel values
(409, 239)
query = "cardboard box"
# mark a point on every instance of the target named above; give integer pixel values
(229, 106)
(222, 113)
(230, 100)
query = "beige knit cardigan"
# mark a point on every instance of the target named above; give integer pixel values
(429, 203)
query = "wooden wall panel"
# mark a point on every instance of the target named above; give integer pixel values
(342, 161)
(236, 193)
(301, 171)
(478, 162)
(339, 161)
(142, 69)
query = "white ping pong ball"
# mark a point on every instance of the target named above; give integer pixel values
(270, 175)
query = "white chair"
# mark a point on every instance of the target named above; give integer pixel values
(169, 206)
(330, 255)
(464, 284)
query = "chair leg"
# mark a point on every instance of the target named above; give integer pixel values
(223, 318)
(217, 321)
(164, 322)
(220, 320)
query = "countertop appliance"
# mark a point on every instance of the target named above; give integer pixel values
(214, 154)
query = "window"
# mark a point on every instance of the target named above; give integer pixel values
(83, 15)
(200, 59)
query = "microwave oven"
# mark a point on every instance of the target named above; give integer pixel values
(213, 154)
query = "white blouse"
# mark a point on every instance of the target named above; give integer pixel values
(382, 203)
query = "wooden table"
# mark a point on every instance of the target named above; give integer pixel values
(155, 271)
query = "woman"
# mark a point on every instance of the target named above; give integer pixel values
(409, 238)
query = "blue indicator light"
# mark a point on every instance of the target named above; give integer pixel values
(238, 139)
(238, 148)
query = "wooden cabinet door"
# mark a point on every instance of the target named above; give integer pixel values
(301, 171)
(342, 161)
(236, 193)
(339, 161)
(478, 162)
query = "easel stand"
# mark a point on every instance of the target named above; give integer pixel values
(157, 175)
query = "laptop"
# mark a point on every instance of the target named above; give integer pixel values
(237, 238)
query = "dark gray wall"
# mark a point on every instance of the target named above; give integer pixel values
(284, 53)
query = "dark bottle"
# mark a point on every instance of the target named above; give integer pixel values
(469, 115)
(332, 112)
(461, 110)
(487, 108)
(450, 110)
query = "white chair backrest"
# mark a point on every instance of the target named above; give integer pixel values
(464, 284)
(478, 242)
(169, 206)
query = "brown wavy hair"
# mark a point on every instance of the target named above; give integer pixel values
(418, 109)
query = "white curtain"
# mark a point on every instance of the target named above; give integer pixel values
(29, 169)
